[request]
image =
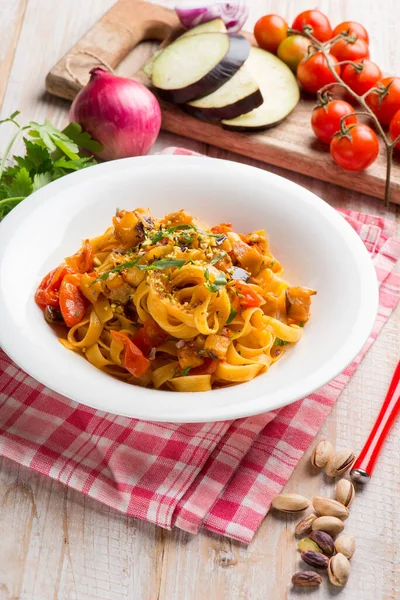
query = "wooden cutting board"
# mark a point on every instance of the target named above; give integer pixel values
(290, 145)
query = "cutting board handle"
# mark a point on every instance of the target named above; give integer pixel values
(118, 32)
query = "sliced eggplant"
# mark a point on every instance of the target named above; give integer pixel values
(278, 87)
(238, 95)
(197, 65)
(214, 26)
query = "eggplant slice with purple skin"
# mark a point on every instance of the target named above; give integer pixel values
(278, 87)
(197, 65)
(239, 95)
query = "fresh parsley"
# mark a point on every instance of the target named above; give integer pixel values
(279, 342)
(232, 315)
(218, 283)
(162, 233)
(217, 258)
(186, 371)
(301, 324)
(107, 274)
(49, 155)
(165, 263)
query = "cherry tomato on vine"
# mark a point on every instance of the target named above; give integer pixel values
(325, 119)
(270, 31)
(362, 77)
(394, 128)
(321, 27)
(353, 28)
(293, 49)
(313, 71)
(386, 102)
(355, 150)
(346, 50)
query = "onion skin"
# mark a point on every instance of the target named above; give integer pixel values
(121, 114)
(233, 13)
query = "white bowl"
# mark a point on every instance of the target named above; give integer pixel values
(315, 245)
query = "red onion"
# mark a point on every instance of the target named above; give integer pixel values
(121, 114)
(194, 12)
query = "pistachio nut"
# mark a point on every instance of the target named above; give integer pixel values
(339, 463)
(331, 525)
(307, 544)
(306, 579)
(290, 503)
(345, 492)
(326, 507)
(339, 570)
(303, 527)
(323, 541)
(321, 454)
(345, 544)
(315, 559)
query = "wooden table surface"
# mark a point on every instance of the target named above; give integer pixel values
(58, 544)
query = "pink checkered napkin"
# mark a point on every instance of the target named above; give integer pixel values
(220, 476)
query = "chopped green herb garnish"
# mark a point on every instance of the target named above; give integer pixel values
(165, 232)
(217, 258)
(165, 263)
(239, 295)
(186, 371)
(272, 264)
(219, 282)
(232, 315)
(279, 342)
(126, 265)
(301, 323)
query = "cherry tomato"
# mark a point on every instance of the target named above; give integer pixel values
(82, 261)
(208, 367)
(394, 128)
(72, 302)
(247, 296)
(350, 50)
(269, 32)
(321, 28)
(149, 336)
(352, 28)
(132, 358)
(325, 120)
(293, 49)
(356, 150)
(386, 104)
(48, 292)
(313, 72)
(363, 77)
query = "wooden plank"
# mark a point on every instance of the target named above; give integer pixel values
(291, 145)
(59, 545)
(11, 18)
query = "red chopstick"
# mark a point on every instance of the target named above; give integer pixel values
(365, 463)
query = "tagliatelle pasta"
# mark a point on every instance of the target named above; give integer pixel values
(173, 304)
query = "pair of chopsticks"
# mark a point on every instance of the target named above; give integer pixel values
(365, 463)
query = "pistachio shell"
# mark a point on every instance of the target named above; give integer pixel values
(324, 541)
(315, 559)
(304, 526)
(290, 503)
(331, 525)
(321, 454)
(306, 579)
(339, 463)
(345, 492)
(346, 545)
(326, 507)
(339, 570)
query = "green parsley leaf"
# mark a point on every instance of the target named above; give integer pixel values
(52, 139)
(21, 184)
(207, 275)
(40, 180)
(279, 342)
(232, 315)
(186, 371)
(217, 258)
(164, 263)
(165, 232)
(81, 138)
(301, 324)
(272, 264)
(219, 282)
(73, 165)
(36, 160)
(121, 267)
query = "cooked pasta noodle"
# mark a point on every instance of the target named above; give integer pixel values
(172, 304)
